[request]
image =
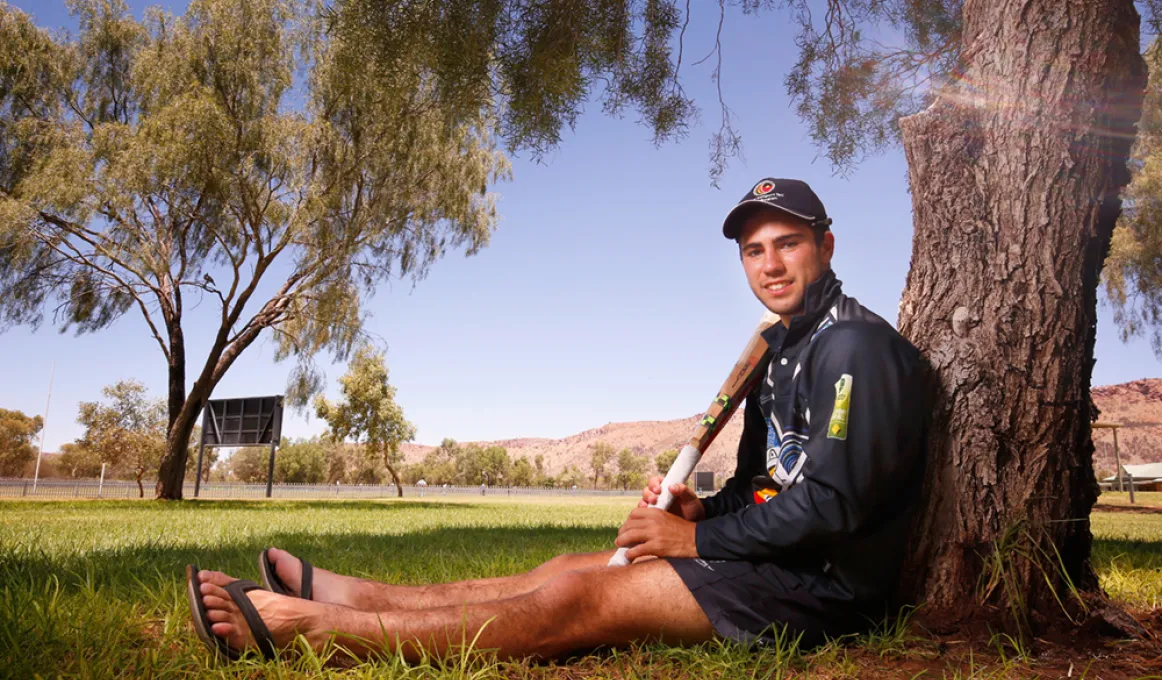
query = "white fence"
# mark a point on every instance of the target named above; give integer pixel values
(93, 488)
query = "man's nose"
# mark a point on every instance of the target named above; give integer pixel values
(773, 263)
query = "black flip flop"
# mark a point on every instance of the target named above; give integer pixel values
(276, 585)
(237, 592)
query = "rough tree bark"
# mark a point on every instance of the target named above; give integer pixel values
(1015, 172)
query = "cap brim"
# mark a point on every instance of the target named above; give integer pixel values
(732, 225)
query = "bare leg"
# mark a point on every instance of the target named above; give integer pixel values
(367, 595)
(576, 609)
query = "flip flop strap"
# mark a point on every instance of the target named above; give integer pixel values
(307, 579)
(262, 637)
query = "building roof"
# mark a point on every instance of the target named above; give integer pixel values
(1140, 472)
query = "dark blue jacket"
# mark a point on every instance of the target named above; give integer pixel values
(831, 457)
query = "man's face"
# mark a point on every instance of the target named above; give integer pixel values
(781, 258)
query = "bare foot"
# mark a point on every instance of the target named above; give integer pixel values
(286, 617)
(326, 586)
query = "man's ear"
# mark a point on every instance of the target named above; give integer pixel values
(827, 248)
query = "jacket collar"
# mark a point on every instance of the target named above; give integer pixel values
(820, 297)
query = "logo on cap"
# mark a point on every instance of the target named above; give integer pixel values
(763, 188)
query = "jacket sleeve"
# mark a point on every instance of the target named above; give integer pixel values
(856, 462)
(736, 493)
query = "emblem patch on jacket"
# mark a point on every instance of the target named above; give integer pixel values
(837, 427)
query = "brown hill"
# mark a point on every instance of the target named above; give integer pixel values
(1136, 405)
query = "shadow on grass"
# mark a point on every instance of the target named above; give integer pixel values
(275, 505)
(422, 556)
(1135, 554)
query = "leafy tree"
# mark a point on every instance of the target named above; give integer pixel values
(631, 469)
(128, 433)
(440, 463)
(368, 412)
(239, 155)
(601, 454)
(1133, 269)
(522, 473)
(1016, 118)
(249, 464)
(79, 461)
(301, 462)
(16, 434)
(338, 462)
(570, 477)
(665, 459)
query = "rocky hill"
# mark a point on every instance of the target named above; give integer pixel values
(1136, 405)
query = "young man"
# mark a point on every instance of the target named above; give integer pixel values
(809, 533)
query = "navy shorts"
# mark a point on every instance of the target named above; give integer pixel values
(749, 601)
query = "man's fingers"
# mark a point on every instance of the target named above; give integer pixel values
(639, 550)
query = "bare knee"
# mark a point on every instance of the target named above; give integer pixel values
(557, 606)
(569, 562)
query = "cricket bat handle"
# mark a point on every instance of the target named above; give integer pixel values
(678, 473)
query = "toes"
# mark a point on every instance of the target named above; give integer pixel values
(222, 630)
(216, 578)
(215, 602)
(211, 589)
(218, 615)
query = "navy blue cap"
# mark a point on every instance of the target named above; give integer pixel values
(791, 196)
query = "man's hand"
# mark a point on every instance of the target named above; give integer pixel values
(686, 503)
(649, 531)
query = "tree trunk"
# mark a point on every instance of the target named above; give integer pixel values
(140, 487)
(394, 476)
(1015, 171)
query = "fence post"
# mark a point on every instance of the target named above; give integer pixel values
(24, 491)
(101, 484)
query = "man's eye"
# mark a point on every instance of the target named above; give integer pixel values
(788, 245)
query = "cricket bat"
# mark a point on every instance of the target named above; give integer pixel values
(738, 384)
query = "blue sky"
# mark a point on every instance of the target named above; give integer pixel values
(607, 294)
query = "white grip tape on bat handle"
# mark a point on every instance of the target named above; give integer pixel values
(683, 465)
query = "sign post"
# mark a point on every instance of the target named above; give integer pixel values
(248, 421)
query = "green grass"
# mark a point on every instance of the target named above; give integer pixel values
(1142, 498)
(94, 589)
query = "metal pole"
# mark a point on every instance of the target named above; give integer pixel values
(43, 428)
(101, 484)
(1118, 460)
(198, 478)
(1131, 489)
(275, 435)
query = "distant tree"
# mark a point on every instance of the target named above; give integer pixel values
(571, 476)
(17, 432)
(522, 473)
(368, 413)
(128, 433)
(602, 453)
(665, 459)
(302, 461)
(338, 462)
(250, 464)
(495, 465)
(209, 456)
(77, 460)
(440, 463)
(631, 469)
(238, 154)
(364, 468)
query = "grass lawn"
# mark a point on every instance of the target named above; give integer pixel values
(94, 589)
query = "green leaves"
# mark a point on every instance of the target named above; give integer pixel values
(368, 413)
(1133, 268)
(16, 435)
